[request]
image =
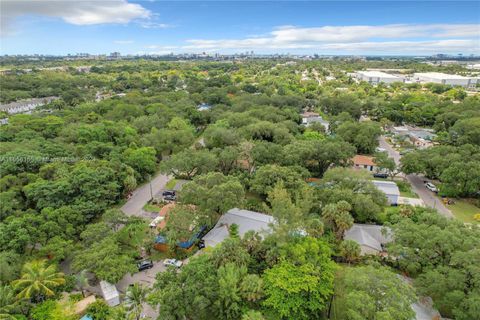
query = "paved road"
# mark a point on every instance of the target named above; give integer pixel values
(145, 278)
(417, 184)
(142, 195)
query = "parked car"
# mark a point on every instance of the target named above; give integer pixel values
(201, 244)
(144, 265)
(172, 262)
(169, 195)
(430, 186)
(380, 175)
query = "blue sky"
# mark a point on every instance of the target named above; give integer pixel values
(340, 27)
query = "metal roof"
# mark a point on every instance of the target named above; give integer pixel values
(377, 74)
(387, 187)
(245, 220)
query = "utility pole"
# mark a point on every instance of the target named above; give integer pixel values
(150, 183)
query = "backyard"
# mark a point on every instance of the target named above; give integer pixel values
(464, 210)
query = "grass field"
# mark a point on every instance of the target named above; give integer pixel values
(171, 184)
(464, 211)
(151, 208)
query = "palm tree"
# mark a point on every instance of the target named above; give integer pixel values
(8, 305)
(38, 280)
(135, 297)
(251, 288)
(338, 217)
(81, 281)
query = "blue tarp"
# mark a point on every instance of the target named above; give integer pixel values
(86, 317)
(183, 244)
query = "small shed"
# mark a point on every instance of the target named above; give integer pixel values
(110, 293)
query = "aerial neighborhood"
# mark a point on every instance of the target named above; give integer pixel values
(239, 160)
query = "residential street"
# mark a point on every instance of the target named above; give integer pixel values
(140, 196)
(417, 184)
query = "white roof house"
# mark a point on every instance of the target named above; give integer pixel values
(447, 79)
(390, 189)
(369, 237)
(110, 293)
(374, 77)
(245, 220)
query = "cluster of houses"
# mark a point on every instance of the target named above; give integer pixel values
(26, 106)
(421, 138)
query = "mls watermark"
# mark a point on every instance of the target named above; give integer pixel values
(42, 159)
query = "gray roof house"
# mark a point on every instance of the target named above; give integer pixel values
(390, 189)
(245, 220)
(369, 237)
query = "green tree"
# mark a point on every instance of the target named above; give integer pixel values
(386, 164)
(189, 163)
(143, 160)
(299, 286)
(229, 302)
(266, 177)
(106, 259)
(99, 310)
(363, 135)
(374, 292)
(38, 281)
(338, 217)
(134, 300)
(213, 193)
(349, 250)
(8, 304)
(253, 315)
(81, 281)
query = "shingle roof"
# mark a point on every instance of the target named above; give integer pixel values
(245, 220)
(368, 235)
(363, 160)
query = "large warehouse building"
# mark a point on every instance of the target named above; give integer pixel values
(375, 77)
(448, 79)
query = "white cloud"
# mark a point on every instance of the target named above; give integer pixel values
(82, 12)
(154, 25)
(123, 41)
(385, 38)
(161, 47)
(455, 46)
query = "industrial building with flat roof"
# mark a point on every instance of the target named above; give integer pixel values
(375, 77)
(447, 79)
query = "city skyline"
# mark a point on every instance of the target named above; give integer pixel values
(226, 27)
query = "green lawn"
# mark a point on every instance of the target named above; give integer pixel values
(151, 207)
(171, 184)
(464, 211)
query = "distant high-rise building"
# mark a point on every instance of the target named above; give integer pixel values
(115, 55)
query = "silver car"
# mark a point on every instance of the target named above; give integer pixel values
(430, 186)
(172, 262)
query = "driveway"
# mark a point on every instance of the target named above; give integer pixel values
(143, 194)
(145, 278)
(428, 197)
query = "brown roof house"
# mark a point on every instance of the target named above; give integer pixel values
(364, 162)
